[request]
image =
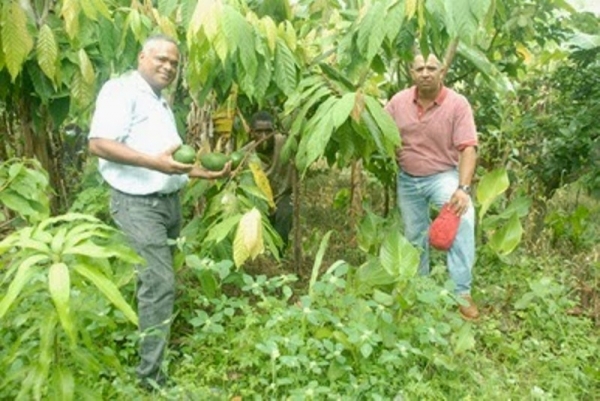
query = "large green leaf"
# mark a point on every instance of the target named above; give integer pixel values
(47, 52)
(24, 273)
(285, 68)
(498, 81)
(219, 232)
(16, 40)
(492, 185)
(108, 288)
(317, 135)
(398, 257)
(371, 31)
(386, 124)
(59, 285)
(506, 239)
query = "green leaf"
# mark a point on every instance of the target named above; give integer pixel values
(394, 19)
(498, 81)
(58, 241)
(66, 383)
(506, 239)
(372, 274)
(285, 68)
(47, 52)
(371, 31)
(219, 232)
(318, 132)
(24, 273)
(386, 124)
(342, 108)
(318, 261)
(464, 339)
(108, 288)
(398, 257)
(59, 285)
(89, 10)
(44, 355)
(16, 40)
(102, 8)
(16, 202)
(492, 185)
(82, 91)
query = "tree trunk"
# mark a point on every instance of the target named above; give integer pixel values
(296, 221)
(37, 145)
(355, 192)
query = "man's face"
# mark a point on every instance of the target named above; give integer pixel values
(260, 130)
(427, 74)
(158, 62)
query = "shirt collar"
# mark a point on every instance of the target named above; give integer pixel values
(438, 100)
(142, 85)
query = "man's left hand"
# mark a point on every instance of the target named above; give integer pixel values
(460, 202)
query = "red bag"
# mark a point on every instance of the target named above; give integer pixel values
(443, 229)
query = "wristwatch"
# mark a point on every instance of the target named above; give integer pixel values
(465, 188)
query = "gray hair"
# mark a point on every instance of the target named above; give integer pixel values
(159, 37)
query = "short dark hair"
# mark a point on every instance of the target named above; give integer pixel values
(263, 116)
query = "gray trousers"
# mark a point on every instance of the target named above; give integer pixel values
(148, 222)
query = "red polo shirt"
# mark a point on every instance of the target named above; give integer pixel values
(432, 139)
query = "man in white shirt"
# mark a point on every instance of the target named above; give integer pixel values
(133, 132)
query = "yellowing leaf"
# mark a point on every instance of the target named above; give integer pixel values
(101, 7)
(270, 30)
(88, 9)
(523, 51)
(248, 241)
(288, 33)
(16, 41)
(410, 8)
(206, 16)
(70, 13)
(165, 24)
(262, 182)
(47, 52)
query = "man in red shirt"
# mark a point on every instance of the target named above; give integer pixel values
(437, 161)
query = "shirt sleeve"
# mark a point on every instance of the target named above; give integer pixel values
(465, 132)
(114, 111)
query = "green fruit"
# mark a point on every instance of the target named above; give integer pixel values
(236, 158)
(185, 154)
(214, 161)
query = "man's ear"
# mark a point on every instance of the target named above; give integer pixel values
(443, 71)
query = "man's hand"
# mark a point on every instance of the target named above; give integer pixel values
(166, 164)
(118, 152)
(460, 202)
(198, 172)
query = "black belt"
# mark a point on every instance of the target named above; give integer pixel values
(151, 195)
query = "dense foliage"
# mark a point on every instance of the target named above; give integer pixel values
(354, 321)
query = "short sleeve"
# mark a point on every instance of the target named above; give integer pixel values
(465, 132)
(113, 114)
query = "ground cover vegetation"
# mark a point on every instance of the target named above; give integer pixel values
(341, 314)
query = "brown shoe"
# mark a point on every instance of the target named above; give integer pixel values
(470, 311)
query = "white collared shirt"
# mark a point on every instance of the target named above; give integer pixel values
(128, 111)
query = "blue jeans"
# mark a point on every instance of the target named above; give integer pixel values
(148, 222)
(415, 195)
